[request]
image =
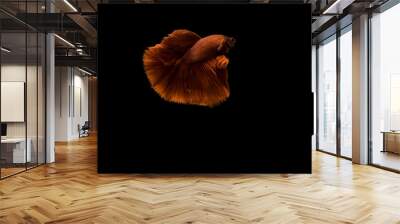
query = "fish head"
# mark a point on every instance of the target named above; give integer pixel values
(227, 44)
(230, 42)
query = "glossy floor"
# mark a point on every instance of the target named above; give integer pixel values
(387, 159)
(71, 191)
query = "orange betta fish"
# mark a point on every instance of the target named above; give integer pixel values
(185, 68)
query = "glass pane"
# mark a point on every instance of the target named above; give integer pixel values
(385, 87)
(41, 98)
(80, 101)
(14, 153)
(313, 84)
(327, 96)
(32, 95)
(346, 94)
(31, 83)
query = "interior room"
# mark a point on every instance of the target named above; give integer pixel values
(96, 129)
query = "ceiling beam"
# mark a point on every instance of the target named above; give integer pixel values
(81, 61)
(84, 24)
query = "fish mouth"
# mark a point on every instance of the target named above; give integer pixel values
(231, 42)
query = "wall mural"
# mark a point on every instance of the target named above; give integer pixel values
(204, 88)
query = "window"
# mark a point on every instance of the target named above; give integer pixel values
(346, 93)
(327, 95)
(314, 86)
(385, 88)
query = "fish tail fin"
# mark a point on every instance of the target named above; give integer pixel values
(204, 84)
(162, 61)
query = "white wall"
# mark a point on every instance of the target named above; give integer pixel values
(62, 81)
(16, 72)
(71, 102)
(81, 102)
(33, 127)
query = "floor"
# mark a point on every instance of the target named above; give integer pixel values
(70, 191)
(387, 159)
(10, 171)
(13, 170)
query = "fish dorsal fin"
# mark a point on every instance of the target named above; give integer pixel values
(180, 41)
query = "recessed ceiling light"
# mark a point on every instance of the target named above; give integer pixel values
(84, 71)
(338, 6)
(70, 5)
(5, 50)
(65, 41)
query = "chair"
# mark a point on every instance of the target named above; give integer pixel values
(84, 130)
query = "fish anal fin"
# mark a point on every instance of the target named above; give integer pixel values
(221, 62)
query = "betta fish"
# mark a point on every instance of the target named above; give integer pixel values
(187, 69)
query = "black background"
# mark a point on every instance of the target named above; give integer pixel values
(264, 127)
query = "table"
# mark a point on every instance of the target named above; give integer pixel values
(391, 141)
(13, 150)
